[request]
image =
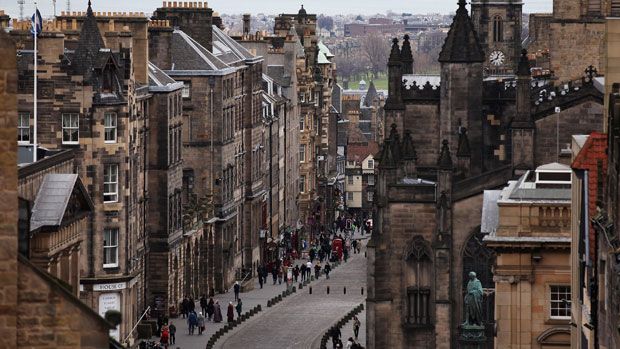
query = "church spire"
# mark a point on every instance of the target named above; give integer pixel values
(406, 56)
(462, 44)
(88, 46)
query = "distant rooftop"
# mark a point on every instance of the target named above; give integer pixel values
(550, 183)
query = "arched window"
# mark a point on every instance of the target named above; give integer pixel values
(418, 278)
(498, 29)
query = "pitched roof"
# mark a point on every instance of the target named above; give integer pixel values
(359, 152)
(462, 44)
(371, 94)
(52, 199)
(228, 50)
(88, 46)
(160, 81)
(188, 54)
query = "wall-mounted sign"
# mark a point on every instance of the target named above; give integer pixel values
(110, 287)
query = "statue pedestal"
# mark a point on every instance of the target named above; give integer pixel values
(472, 337)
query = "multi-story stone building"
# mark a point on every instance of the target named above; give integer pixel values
(446, 145)
(89, 101)
(574, 23)
(359, 186)
(26, 289)
(222, 139)
(589, 175)
(283, 55)
(530, 237)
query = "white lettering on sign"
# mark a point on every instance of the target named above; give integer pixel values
(110, 287)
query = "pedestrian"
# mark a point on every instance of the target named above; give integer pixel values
(230, 314)
(274, 273)
(296, 272)
(327, 269)
(312, 254)
(280, 274)
(203, 304)
(165, 336)
(259, 273)
(308, 270)
(237, 288)
(173, 333)
(356, 326)
(201, 323)
(192, 305)
(210, 308)
(217, 312)
(335, 334)
(238, 307)
(192, 321)
(354, 244)
(185, 307)
(317, 270)
(345, 253)
(160, 323)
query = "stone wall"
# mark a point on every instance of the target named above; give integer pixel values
(539, 32)
(419, 119)
(8, 191)
(49, 316)
(584, 118)
(575, 46)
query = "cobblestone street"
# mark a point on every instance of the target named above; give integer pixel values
(300, 320)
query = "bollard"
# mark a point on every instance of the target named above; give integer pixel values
(259, 307)
(310, 289)
(294, 289)
(364, 253)
(300, 286)
(269, 301)
(362, 291)
(345, 290)
(327, 289)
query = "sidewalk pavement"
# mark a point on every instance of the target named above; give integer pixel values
(249, 299)
(347, 330)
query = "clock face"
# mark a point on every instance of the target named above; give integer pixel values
(497, 58)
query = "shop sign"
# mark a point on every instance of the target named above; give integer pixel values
(110, 287)
(110, 301)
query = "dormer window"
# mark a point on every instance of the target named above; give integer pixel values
(109, 83)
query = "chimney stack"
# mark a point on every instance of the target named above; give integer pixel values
(246, 23)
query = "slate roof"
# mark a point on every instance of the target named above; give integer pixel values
(188, 54)
(323, 48)
(52, 199)
(462, 44)
(160, 81)
(360, 152)
(88, 46)
(371, 94)
(228, 50)
(279, 75)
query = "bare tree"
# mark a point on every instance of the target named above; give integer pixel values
(325, 22)
(376, 49)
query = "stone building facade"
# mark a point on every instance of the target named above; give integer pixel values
(445, 145)
(89, 102)
(283, 54)
(530, 236)
(222, 138)
(575, 23)
(26, 289)
(498, 24)
(315, 77)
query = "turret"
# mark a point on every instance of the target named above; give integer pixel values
(522, 128)
(461, 61)
(395, 78)
(406, 56)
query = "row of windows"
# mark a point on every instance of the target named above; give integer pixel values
(595, 8)
(369, 196)
(175, 104)
(370, 179)
(229, 180)
(70, 123)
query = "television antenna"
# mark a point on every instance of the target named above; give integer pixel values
(21, 8)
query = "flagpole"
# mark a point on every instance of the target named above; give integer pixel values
(34, 138)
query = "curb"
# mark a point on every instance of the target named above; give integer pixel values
(344, 320)
(229, 326)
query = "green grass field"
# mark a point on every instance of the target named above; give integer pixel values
(380, 84)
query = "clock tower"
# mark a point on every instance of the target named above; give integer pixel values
(498, 24)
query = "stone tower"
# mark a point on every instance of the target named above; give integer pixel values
(460, 117)
(523, 126)
(498, 24)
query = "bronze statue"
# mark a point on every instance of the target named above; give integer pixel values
(473, 302)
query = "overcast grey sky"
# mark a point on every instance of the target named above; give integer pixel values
(330, 7)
